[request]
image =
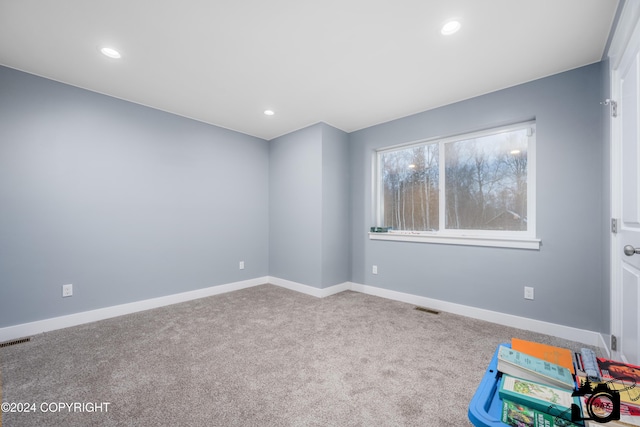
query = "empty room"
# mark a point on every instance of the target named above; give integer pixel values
(309, 213)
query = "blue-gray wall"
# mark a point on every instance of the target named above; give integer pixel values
(295, 206)
(309, 202)
(129, 203)
(124, 202)
(336, 199)
(567, 271)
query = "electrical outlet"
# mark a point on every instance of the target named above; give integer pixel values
(528, 292)
(67, 290)
(374, 270)
(241, 265)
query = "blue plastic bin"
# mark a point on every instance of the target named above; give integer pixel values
(485, 408)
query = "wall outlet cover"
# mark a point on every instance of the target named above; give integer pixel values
(67, 290)
(528, 292)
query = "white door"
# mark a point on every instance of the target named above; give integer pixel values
(625, 174)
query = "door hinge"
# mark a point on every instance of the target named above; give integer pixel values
(614, 343)
(614, 225)
(613, 105)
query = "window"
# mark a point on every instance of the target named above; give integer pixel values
(474, 189)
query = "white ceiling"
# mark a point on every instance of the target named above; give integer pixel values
(349, 63)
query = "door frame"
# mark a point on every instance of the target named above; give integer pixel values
(626, 38)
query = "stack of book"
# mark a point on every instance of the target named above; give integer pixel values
(538, 385)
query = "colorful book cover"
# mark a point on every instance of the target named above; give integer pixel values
(518, 415)
(629, 392)
(558, 355)
(615, 370)
(522, 365)
(629, 414)
(541, 397)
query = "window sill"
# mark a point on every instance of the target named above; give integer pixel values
(491, 241)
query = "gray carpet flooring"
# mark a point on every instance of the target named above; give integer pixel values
(263, 356)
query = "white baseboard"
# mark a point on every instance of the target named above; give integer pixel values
(29, 329)
(605, 344)
(310, 290)
(561, 331)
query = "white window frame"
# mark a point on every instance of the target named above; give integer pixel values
(493, 238)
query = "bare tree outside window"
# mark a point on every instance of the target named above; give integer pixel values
(482, 178)
(486, 182)
(410, 181)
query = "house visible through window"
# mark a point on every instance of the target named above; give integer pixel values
(480, 184)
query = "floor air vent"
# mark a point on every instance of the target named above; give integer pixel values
(428, 310)
(14, 342)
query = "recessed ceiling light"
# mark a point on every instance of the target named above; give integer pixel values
(450, 27)
(110, 52)
(269, 112)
